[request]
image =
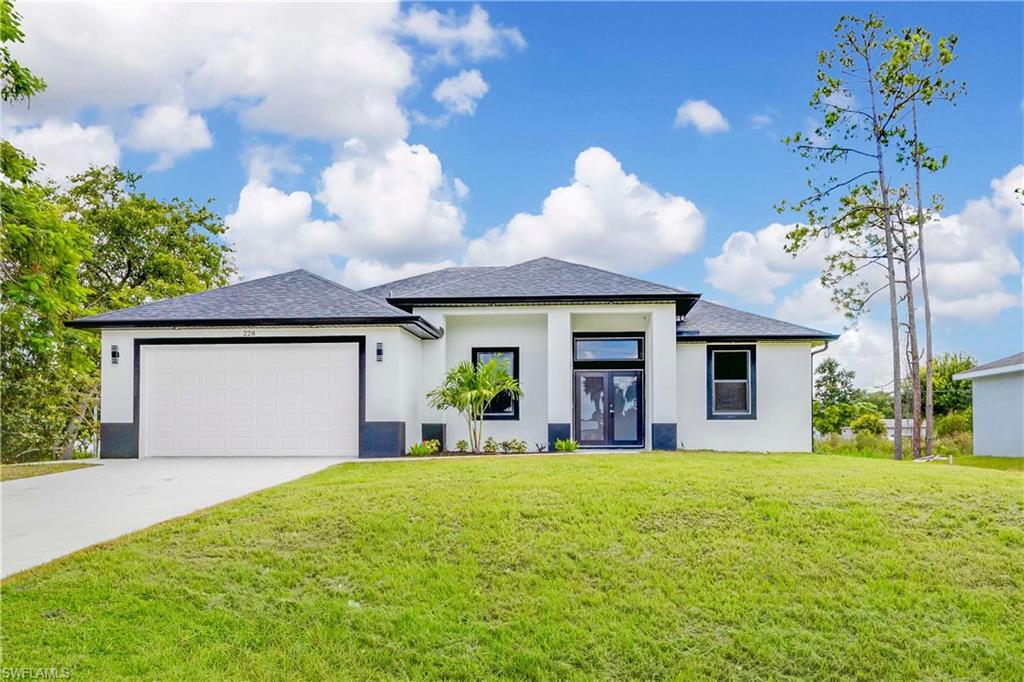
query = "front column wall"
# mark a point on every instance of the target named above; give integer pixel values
(663, 377)
(559, 376)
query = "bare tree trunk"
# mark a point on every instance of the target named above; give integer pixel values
(74, 425)
(894, 321)
(913, 354)
(929, 390)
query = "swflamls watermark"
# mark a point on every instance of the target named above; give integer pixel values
(42, 673)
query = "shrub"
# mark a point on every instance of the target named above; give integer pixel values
(861, 445)
(424, 449)
(490, 445)
(956, 445)
(566, 445)
(869, 422)
(541, 447)
(516, 446)
(952, 424)
(462, 445)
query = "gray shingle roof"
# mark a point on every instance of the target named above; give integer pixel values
(1008, 361)
(540, 279)
(711, 320)
(297, 296)
(409, 285)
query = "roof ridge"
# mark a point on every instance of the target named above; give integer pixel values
(608, 272)
(383, 306)
(490, 270)
(199, 293)
(433, 272)
(763, 317)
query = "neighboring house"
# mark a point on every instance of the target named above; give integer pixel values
(890, 429)
(295, 364)
(998, 399)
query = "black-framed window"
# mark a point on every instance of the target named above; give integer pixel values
(732, 382)
(504, 406)
(606, 348)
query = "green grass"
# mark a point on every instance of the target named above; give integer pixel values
(11, 472)
(682, 565)
(1000, 463)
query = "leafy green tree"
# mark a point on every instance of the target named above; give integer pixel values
(469, 389)
(833, 383)
(869, 422)
(952, 395)
(19, 83)
(40, 254)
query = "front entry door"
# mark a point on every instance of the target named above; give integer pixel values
(609, 408)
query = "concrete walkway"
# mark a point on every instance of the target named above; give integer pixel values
(45, 517)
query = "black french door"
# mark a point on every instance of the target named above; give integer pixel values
(608, 407)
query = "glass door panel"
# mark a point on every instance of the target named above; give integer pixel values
(591, 408)
(625, 407)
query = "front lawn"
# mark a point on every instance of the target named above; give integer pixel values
(11, 472)
(630, 566)
(1001, 463)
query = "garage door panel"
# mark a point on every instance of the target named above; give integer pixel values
(243, 400)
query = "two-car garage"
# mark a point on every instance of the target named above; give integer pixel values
(248, 399)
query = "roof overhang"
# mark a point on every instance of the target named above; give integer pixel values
(683, 302)
(699, 338)
(414, 324)
(978, 374)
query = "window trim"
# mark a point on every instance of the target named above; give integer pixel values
(751, 382)
(514, 350)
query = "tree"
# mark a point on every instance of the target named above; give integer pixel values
(869, 422)
(920, 63)
(469, 389)
(40, 253)
(833, 383)
(952, 395)
(18, 82)
(850, 71)
(863, 93)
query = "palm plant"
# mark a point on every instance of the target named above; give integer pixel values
(470, 389)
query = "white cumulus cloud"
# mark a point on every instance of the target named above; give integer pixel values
(753, 265)
(361, 274)
(702, 115)
(605, 217)
(66, 149)
(471, 37)
(273, 231)
(170, 131)
(394, 208)
(460, 93)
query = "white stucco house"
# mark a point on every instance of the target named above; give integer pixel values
(295, 364)
(998, 402)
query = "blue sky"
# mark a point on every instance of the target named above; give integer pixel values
(560, 79)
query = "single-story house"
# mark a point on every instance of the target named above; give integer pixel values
(998, 402)
(295, 364)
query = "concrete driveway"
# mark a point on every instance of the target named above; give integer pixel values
(46, 517)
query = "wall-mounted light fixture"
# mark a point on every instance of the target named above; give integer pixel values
(114, 354)
(380, 352)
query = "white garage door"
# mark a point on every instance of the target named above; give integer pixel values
(285, 399)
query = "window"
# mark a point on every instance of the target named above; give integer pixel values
(622, 348)
(732, 385)
(503, 406)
